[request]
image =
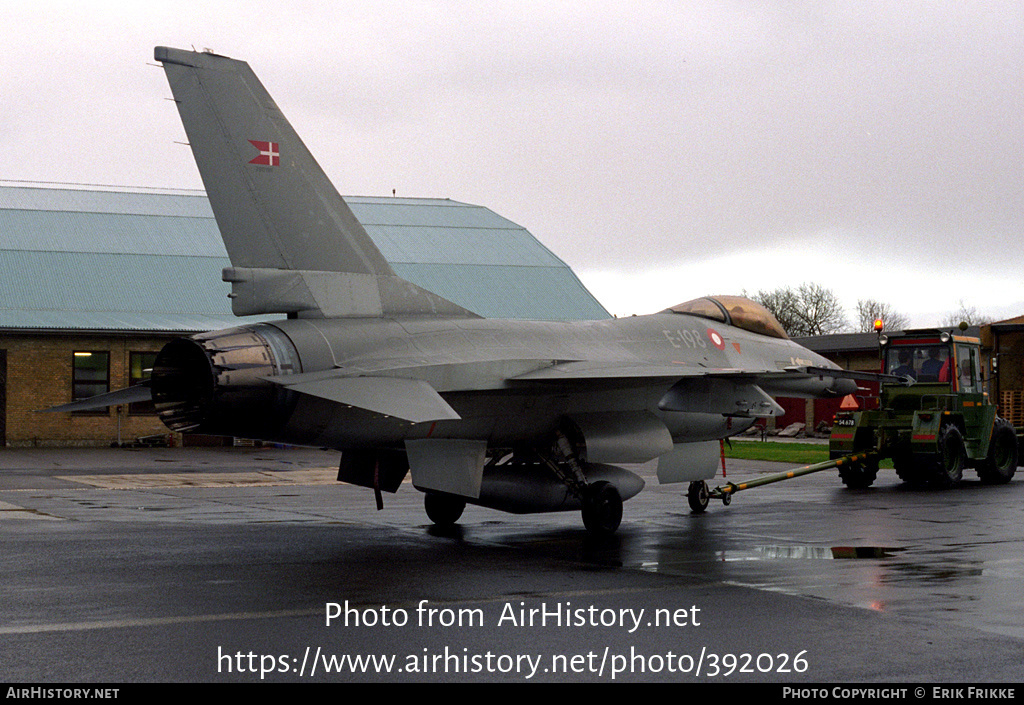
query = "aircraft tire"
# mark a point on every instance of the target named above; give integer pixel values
(1001, 464)
(697, 496)
(949, 462)
(602, 508)
(443, 509)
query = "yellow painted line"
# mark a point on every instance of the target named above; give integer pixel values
(13, 511)
(260, 478)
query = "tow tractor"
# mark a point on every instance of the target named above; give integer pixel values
(934, 422)
(933, 419)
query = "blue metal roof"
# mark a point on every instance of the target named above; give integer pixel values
(120, 260)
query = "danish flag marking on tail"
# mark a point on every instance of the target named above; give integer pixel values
(270, 153)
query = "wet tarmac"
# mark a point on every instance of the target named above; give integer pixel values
(254, 564)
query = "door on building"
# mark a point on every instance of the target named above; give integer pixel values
(3, 398)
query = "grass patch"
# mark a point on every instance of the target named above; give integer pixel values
(777, 452)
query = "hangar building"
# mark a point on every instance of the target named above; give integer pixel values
(93, 282)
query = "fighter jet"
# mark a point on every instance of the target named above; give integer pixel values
(520, 416)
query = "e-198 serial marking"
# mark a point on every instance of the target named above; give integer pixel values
(686, 338)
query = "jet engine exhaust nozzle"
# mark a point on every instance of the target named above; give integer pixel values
(216, 383)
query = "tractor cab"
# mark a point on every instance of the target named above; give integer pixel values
(949, 363)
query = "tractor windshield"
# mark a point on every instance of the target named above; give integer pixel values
(922, 363)
(736, 311)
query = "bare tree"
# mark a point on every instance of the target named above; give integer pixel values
(820, 310)
(870, 310)
(966, 314)
(811, 309)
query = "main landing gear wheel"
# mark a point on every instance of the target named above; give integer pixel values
(602, 508)
(698, 497)
(443, 509)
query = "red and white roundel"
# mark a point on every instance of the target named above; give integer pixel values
(716, 339)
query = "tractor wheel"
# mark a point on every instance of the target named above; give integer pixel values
(859, 476)
(1001, 463)
(950, 460)
(908, 469)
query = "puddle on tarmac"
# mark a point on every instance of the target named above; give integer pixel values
(825, 552)
(765, 553)
(798, 553)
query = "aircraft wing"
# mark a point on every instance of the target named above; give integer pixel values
(609, 370)
(692, 388)
(414, 394)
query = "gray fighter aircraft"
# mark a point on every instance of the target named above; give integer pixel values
(520, 416)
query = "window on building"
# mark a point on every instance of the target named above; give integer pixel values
(140, 366)
(90, 376)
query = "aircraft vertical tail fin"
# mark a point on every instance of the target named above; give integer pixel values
(294, 244)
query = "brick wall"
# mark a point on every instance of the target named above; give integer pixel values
(39, 373)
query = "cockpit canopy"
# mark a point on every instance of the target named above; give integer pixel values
(734, 311)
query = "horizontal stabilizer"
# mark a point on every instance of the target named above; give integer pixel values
(408, 399)
(128, 395)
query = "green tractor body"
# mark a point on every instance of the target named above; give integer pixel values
(935, 422)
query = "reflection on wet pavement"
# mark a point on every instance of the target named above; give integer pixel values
(958, 554)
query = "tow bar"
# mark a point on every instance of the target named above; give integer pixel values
(699, 495)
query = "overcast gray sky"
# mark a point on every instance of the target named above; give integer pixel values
(664, 150)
